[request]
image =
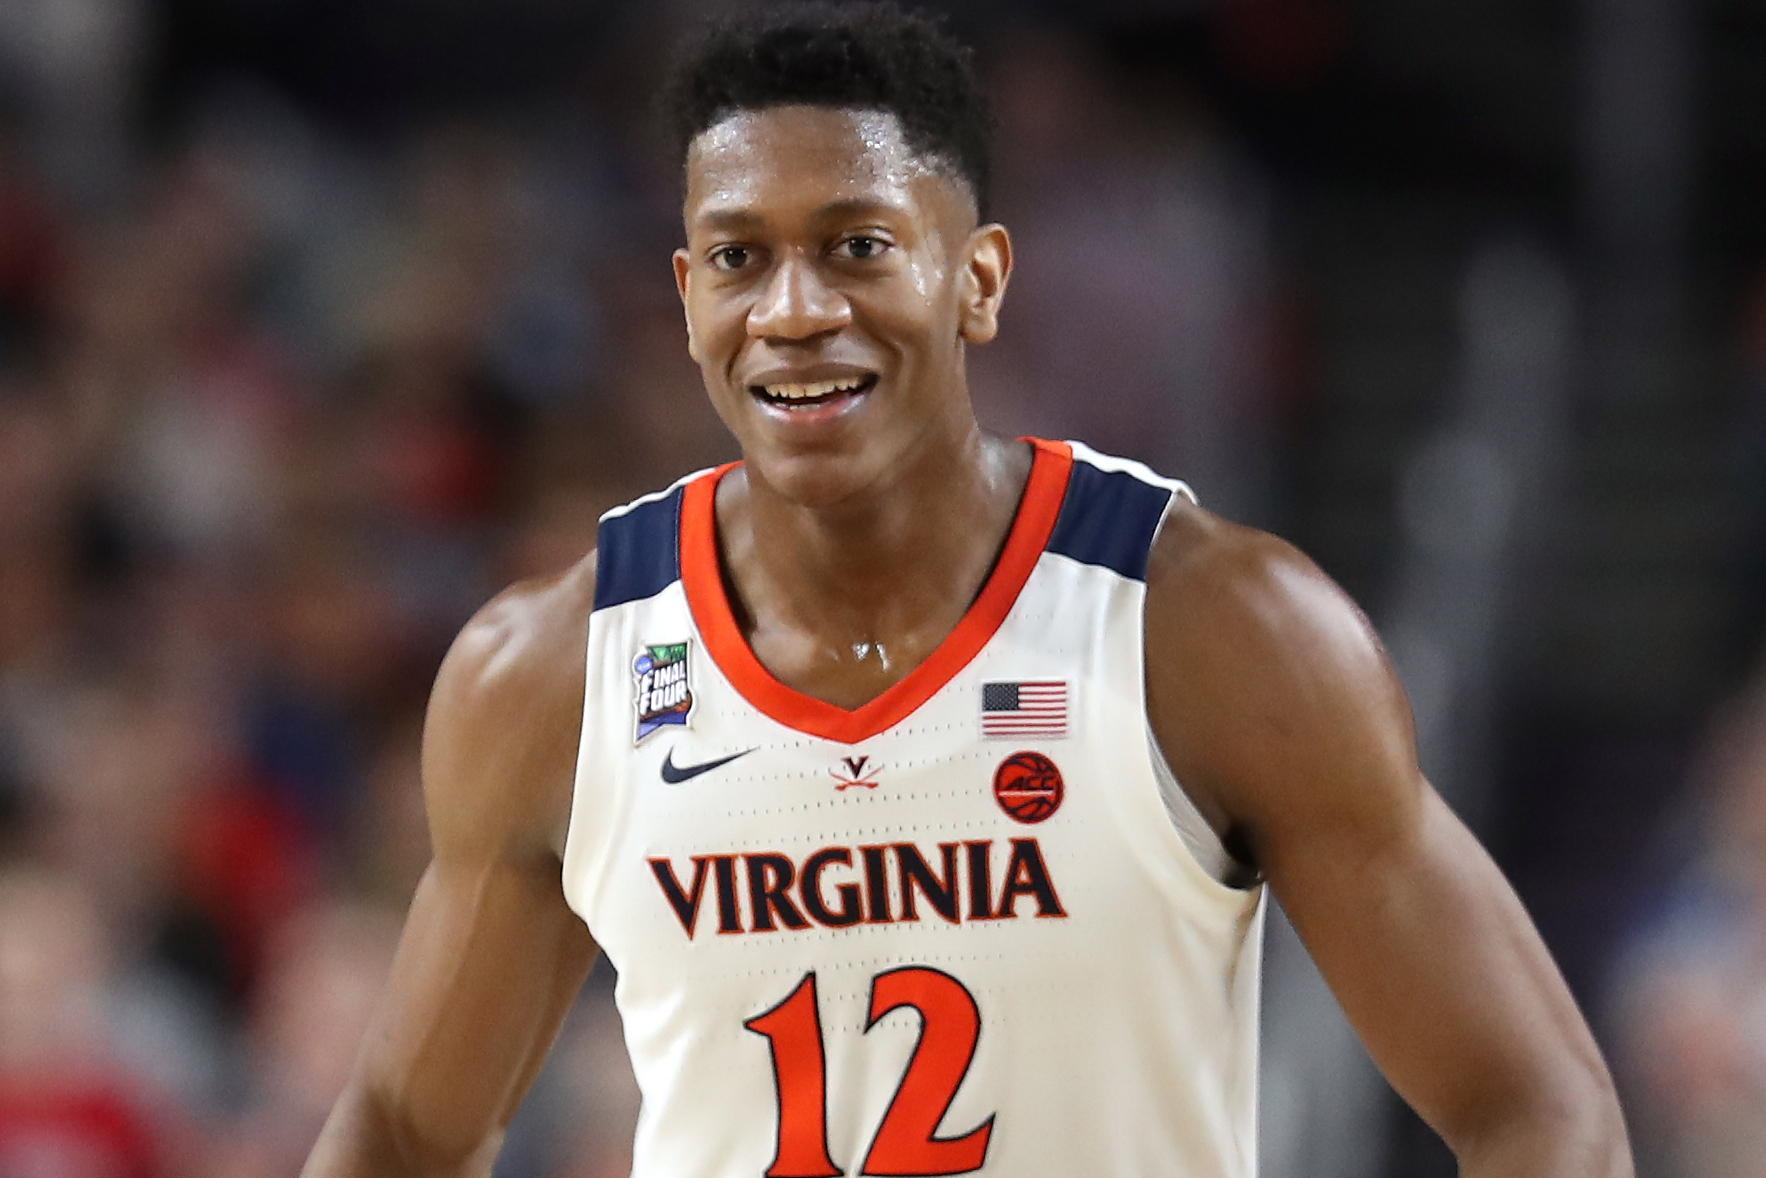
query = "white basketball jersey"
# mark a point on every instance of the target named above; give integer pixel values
(953, 931)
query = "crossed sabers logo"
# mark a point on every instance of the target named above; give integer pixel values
(854, 774)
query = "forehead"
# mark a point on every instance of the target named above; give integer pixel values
(760, 162)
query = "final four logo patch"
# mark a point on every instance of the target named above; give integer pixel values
(664, 696)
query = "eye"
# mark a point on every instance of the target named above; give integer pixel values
(729, 257)
(862, 247)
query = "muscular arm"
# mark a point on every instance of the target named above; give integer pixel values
(491, 956)
(1283, 718)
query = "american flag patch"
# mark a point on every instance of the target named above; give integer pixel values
(1020, 710)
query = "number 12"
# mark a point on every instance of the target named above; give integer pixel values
(905, 1145)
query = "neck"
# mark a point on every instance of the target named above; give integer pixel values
(883, 561)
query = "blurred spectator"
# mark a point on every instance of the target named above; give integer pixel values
(387, 845)
(68, 1106)
(38, 532)
(1748, 461)
(1692, 1005)
(71, 66)
(1140, 316)
(325, 969)
(32, 242)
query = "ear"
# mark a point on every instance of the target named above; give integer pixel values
(683, 271)
(987, 267)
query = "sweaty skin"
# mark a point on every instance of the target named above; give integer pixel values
(821, 248)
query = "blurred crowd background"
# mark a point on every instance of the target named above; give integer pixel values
(320, 321)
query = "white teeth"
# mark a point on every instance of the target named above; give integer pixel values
(821, 388)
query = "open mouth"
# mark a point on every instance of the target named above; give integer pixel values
(813, 393)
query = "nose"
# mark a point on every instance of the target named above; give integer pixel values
(797, 304)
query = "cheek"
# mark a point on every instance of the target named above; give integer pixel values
(921, 301)
(925, 278)
(935, 310)
(715, 330)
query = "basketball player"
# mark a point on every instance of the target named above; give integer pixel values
(924, 785)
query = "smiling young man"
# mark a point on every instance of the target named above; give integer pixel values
(924, 785)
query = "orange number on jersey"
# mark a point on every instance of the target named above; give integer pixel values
(793, 1029)
(950, 1027)
(906, 1141)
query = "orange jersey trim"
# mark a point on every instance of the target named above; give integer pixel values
(1051, 466)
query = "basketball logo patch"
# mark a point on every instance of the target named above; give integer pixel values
(664, 695)
(1028, 787)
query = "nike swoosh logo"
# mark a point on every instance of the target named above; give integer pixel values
(675, 774)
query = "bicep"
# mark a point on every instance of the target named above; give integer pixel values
(489, 962)
(1436, 965)
(1281, 712)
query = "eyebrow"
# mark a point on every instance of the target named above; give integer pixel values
(737, 217)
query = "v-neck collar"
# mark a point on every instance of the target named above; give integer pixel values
(1051, 465)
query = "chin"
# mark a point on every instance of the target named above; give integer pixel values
(817, 478)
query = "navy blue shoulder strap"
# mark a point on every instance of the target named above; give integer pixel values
(638, 553)
(1109, 519)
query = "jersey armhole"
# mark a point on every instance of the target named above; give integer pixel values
(1193, 830)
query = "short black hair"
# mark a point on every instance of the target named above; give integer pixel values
(852, 55)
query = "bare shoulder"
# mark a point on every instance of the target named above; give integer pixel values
(1267, 687)
(1214, 582)
(499, 744)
